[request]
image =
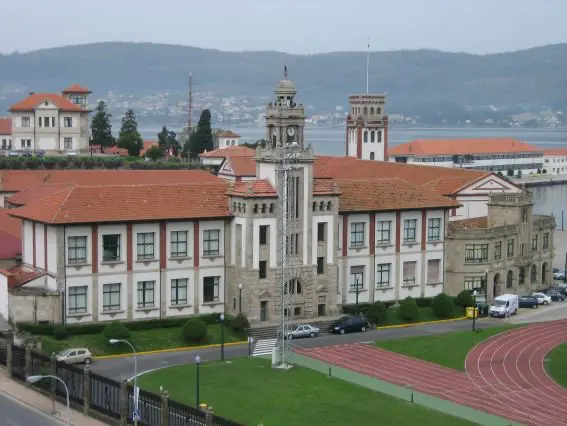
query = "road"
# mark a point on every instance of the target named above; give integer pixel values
(15, 413)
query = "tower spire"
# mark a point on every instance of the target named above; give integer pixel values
(285, 72)
(367, 64)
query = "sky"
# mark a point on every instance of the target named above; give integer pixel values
(293, 26)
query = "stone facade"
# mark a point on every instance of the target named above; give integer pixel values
(509, 251)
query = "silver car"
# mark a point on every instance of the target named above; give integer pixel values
(75, 356)
(304, 330)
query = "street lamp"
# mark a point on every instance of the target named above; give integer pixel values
(197, 400)
(474, 312)
(486, 285)
(357, 290)
(222, 337)
(35, 379)
(239, 298)
(113, 342)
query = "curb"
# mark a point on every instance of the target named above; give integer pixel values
(163, 351)
(414, 324)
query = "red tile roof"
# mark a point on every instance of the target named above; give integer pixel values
(9, 224)
(35, 99)
(256, 188)
(475, 222)
(325, 187)
(431, 147)
(10, 246)
(5, 126)
(242, 166)
(76, 88)
(21, 274)
(231, 151)
(35, 193)
(555, 151)
(228, 134)
(124, 203)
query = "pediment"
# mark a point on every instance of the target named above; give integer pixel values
(226, 168)
(489, 184)
(46, 104)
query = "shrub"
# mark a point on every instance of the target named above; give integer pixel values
(510, 172)
(443, 306)
(408, 310)
(423, 302)
(154, 153)
(194, 330)
(60, 332)
(351, 309)
(239, 323)
(116, 330)
(377, 313)
(465, 299)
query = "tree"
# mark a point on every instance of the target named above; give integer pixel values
(443, 306)
(173, 144)
(129, 137)
(101, 129)
(377, 313)
(154, 153)
(162, 138)
(200, 140)
(465, 299)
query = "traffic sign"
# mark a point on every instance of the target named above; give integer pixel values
(136, 416)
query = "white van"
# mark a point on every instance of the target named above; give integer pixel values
(504, 305)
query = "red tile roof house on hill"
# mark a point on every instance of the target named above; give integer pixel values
(5, 133)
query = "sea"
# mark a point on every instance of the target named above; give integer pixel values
(330, 140)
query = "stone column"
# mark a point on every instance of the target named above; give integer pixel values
(165, 408)
(124, 403)
(209, 416)
(28, 362)
(87, 390)
(9, 358)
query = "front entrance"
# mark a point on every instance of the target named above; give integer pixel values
(264, 311)
(496, 286)
(321, 311)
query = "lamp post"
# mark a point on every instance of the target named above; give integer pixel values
(222, 337)
(115, 341)
(239, 298)
(357, 290)
(197, 389)
(474, 312)
(35, 379)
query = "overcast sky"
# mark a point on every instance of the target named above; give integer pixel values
(295, 26)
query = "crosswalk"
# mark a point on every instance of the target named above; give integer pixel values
(264, 347)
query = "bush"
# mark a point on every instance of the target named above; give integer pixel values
(510, 172)
(194, 330)
(443, 306)
(423, 302)
(408, 310)
(116, 330)
(60, 332)
(465, 299)
(239, 323)
(351, 309)
(377, 313)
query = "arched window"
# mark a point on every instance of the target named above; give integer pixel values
(365, 110)
(234, 207)
(509, 279)
(293, 286)
(372, 155)
(239, 207)
(378, 111)
(521, 276)
(366, 136)
(533, 274)
(263, 208)
(329, 206)
(243, 207)
(371, 110)
(255, 208)
(379, 136)
(271, 207)
(322, 205)
(314, 206)
(372, 135)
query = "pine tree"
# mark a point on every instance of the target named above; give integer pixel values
(202, 139)
(129, 137)
(101, 129)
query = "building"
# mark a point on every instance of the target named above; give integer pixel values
(217, 156)
(225, 139)
(505, 155)
(52, 122)
(5, 133)
(555, 160)
(367, 127)
(509, 251)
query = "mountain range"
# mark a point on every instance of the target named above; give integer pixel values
(414, 80)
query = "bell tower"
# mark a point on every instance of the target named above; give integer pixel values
(367, 127)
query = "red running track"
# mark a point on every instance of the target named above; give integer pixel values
(505, 374)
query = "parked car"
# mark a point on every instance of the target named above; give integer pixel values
(529, 302)
(303, 330)
(27, 153)
(542, 298)
(40, 153)
(558, 288)
(556, 296)
(349, 324)
(13, 154)
(504, 306)
(75, 356)
(558, 274)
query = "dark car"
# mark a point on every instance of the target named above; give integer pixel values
(528, 302)
(349, 324)
(556, 296)
(558, 289)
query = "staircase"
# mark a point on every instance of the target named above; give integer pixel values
(270, 332)
(264, 347)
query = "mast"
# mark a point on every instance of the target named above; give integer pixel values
(367, 65)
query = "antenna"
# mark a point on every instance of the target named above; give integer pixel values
(367, 64)
(189, 125)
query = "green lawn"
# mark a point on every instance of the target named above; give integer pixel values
(448, 349)
(425, 314)
(146, 340)
(556, 365)
(249, 391)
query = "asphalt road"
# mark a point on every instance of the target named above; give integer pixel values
(14, 413)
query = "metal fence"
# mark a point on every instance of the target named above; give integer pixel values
(74, 378)
(3, 351)
(183, 415)
(105, 395)
(149, 407)
(19, 363)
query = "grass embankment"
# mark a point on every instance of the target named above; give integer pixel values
(449, 349)
(249, 391)
(556, 365)
(143, 341)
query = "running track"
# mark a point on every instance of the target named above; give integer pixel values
(505, 374)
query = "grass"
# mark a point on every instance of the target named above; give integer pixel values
(556, 365)
(449, 349)
(249, 391)
(145, 340)
(425, 314)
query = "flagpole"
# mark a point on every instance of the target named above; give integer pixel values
(367, 64)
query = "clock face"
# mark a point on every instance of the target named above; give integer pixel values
(274, 131)
(290, 131)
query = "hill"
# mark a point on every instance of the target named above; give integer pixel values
(419, 79)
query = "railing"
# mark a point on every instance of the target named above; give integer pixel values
(183, 415)
(481, 233)
(105, 395)
(149, 407)
(74, 378)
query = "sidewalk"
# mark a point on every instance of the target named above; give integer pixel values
(37, 402)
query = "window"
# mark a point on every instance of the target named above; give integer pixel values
(534, 242)
(26, 122)
(45, 122)
(40, 122)
(372, 155)
(263, 269)
(67, 121)
(522, 246)
(474, 283)
(409, 270)
(211, 242)
(372, 136)
(409, 230)
(145, 245)
(211, 289)
(510, 248)
(497, 250)
(179, 291)
(365, 136)
(357, 234)
(146, 294)
(23, 143)
(78, 300)
(509, 279)
(68, 144)
(292, 244)
(52, 121)
(356, 278)
(434, 229)
(476, 253)
(524, 215)
(321, 231)
(521, 275)
(263, 234)
(77, 250)
(383, 275)
(433, 271)
(384, 229)
(545, 241)
(111, 297)
(111, 248)
(320, 265)
(178, 244)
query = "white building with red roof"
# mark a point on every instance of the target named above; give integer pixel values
(226, 139)
(52, 122)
